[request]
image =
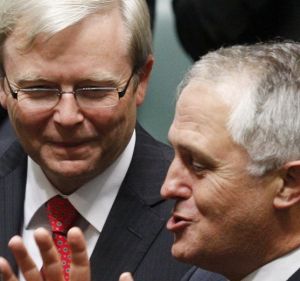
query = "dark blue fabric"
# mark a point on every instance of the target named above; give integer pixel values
(295, 276)
(206, 25)
(198, 274)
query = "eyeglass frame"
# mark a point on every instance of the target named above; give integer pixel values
(121, 93)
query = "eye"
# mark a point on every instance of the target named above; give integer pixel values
(197, 166)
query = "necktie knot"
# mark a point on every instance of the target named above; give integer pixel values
(61, 214)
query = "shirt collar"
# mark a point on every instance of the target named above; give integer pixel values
(93, 200)
(280, 269)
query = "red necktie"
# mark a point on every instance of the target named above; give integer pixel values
(62, 215)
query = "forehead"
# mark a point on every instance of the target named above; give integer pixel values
(200, 120)
(98, 39)
(200, 104)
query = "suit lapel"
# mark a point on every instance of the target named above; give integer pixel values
(131, 228)
(133, 222)
(12, 187)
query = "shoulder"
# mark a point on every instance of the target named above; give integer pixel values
(148, 168)
(6, 130)
(151, 158)
(11, 152)
(146, 144)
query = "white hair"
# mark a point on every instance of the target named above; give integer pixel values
(261, 83)
(52, 16)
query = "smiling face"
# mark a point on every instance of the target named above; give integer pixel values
(72, 144)
(222, 217)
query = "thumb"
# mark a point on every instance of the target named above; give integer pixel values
(126, 276)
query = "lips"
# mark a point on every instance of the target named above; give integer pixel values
(178, 222)
(68, 144)
(70, 147)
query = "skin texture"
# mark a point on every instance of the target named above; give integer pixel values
(223, 218)
(71, 144)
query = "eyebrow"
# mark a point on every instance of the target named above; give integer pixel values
(26, 77)
(94, 77)
(187, 148)
(200, 154)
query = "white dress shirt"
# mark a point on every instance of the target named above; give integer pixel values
(280, 269)
(93, 201)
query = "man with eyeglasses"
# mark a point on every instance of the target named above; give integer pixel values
(73, 74)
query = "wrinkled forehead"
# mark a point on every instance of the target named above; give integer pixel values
(198, 107)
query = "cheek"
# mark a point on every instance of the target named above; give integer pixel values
(110, 118)
(212, 196)
(29, 123)
(229, 202)
(29, 127)
(114, 126)
(20, 120)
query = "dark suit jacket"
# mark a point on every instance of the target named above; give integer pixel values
(151, 6)
(3, 114)
(205, 25)
(134, 237)
(197, 274)
(295, 276)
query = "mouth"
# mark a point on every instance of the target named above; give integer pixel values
(68, 144)
(177, 223)
(70, 147)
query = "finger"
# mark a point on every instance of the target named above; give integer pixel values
(126, 276)
(24, 261)
(6, 272)
(52, 267)
(80, 266)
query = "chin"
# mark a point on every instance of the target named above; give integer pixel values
(189, 253)
(70, 168)
(181, 252)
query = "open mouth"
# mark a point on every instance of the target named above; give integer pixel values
(177, 223)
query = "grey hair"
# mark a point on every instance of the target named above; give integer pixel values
(51, 17)
(261, 84)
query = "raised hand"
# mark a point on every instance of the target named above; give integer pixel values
(52, 268)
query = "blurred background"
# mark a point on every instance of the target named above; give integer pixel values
(171, 62)
(184, 30)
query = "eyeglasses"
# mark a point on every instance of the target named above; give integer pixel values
(42, 98)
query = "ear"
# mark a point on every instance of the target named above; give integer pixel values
(3, 96)
(144, 78)
(289, 192)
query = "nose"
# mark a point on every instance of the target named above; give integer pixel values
(67, 112)
(177, 184)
